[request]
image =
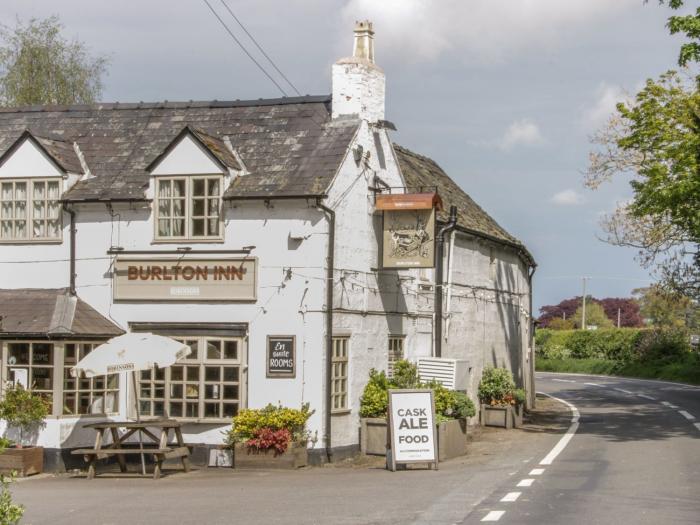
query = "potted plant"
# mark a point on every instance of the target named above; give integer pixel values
(452, 409)
(501, 402)
(270, 437)
(25, 412)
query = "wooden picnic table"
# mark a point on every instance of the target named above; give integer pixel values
(157, 445)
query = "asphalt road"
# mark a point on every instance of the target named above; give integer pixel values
(634, 459)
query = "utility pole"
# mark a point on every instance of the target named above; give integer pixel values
(583, 309)
(618, 318)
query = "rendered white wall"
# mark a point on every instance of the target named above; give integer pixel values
(187, 157)
(28, 161)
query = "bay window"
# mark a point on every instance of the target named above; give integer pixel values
(30, 210)
(188, 208)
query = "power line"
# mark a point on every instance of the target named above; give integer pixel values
(260, 48)
(243, 48)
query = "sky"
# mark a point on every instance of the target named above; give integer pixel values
(503, 94)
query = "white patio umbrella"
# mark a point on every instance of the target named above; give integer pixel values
(132, 352)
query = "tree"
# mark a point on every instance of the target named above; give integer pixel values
(40, 66)
(664, 309)
(595, 316)
(563, 310)
(628, 308)
(655, 138)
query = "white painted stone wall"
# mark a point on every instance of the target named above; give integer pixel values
(358, 89)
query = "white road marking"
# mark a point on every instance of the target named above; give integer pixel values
(622, 390)
(536, 472)
(494, 515)
(669, 405)
(511, 496)
(593, 384)
(646, 397)
(680, 386)
(686, 415)
(561, 444)
(697, 425)
(525, 482)
(564, 380)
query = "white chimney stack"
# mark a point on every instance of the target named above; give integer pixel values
(358, 83)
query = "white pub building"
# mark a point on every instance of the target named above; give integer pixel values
(289, 242)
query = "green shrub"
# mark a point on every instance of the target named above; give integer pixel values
(10, 513)
(375, 399)
(23, 409)
(496, 387)
(374, 402)
(405, 375)
(249, 423)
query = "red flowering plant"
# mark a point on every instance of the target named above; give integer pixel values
(270, 428)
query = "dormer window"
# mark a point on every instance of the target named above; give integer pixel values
(188, 207)
(32, 172)
(188, 183)
(30, 210)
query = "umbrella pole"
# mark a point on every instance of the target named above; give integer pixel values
(138, 420)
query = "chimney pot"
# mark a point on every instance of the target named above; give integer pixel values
(364, 41)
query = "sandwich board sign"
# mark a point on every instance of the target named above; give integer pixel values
(412, 431)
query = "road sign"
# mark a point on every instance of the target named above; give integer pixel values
(412, 430)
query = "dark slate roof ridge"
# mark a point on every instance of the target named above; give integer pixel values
(166, 104)
(498, 235)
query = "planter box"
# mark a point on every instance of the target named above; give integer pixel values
(295, 456)
(502, 416)
(24, 461)
(373, 436)
(452, 438)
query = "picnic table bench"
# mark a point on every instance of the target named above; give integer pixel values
(158, 446)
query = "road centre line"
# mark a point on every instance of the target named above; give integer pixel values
(686, 415)
(564, 380)
(697, 425)
(494, 515)
(593, 384)
(525, 482)
(511, 496)
(536, 472)
(561, 444)
(669, 405)
(622, 390)
(646, 397)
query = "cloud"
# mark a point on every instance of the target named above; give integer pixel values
(521, 133)
(481, 30)
(607, 98)
(567, 197)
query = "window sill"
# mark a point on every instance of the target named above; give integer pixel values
(32, 241)
(340, 412)
(217, 240)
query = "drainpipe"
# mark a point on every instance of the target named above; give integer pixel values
(530, 274)
(330, 263)
(70, 211)
(439, 280)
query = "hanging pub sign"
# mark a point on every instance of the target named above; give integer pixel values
(408, 231)
(281, 356)
(412, 430)
(184, 279)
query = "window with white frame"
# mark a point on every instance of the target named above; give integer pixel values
(30, 210)
(32, 366)
(95, 395)
(188, 207)
(395, 352)
(204, 385)
(339, 374)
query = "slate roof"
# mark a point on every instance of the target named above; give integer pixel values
(50, 313)
(288, 145)
(61, 152)
(423, 172)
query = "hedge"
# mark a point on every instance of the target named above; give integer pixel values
(615, 344)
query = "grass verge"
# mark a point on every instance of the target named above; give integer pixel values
(685, 369)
